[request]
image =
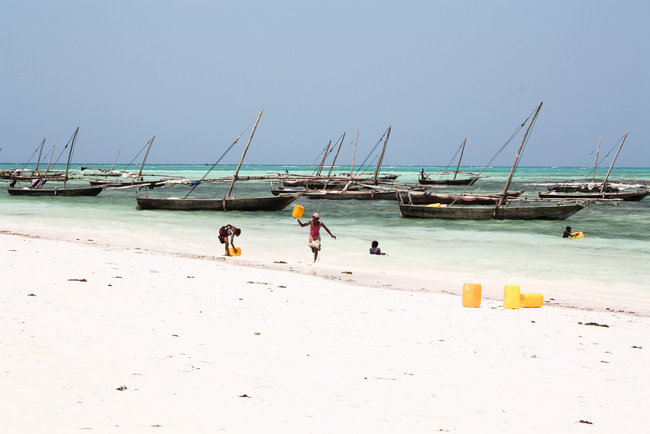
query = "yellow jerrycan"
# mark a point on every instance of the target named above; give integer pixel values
(297, 211)
(472, 295)
(511, 297)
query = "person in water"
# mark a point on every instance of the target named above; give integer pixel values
(228, 231)
(374, 249)
(314, 233)
(567, 232)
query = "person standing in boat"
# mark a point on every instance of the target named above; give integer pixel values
(314, 233)
(228, 231)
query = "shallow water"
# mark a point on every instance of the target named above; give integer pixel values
(608, 266)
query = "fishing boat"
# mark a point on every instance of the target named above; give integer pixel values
(633, 196)
(366, 194)
(524, 210)
(597, 191)
(427, 179)
(227, 203)
(36, 188)
(355, 190)
(505, 208)
(427, 197)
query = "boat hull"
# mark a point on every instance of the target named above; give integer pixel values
(634, 196)
(114, 184)
(273, 203)
(353, 195)
(459, 181)
(417, 198)
(86, 191)
(509, 212)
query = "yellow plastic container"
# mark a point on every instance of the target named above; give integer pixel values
(297, 211)
(435, 205)
(531, 300)
(472, 295)
(234, 252)
(511, 297)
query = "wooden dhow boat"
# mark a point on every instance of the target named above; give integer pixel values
(520, 210)
(426, 197)
(427, 179)
(633, 196)
(227, 203)
(37, 190)
(504, 209)
(597, 191)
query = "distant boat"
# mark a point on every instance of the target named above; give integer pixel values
(366, 194)
(596, 190)
(426, 179)
(227, 203)
(634, 196)
(37, 190)
(504, 209)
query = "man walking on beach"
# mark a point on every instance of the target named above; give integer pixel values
(314, 233)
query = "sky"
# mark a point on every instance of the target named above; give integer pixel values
(195, 73)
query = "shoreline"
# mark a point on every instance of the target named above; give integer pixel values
(449, 283)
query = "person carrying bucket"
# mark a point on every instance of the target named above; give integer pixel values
(314, 233)
(228, 231)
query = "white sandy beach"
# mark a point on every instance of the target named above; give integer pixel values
(205, 345)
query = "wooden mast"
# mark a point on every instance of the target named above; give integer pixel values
(322, 162)
(611, 166)
(67, 166)
(51, 155)
(381, 157)
(461, 157)
(596, 162)
(234, 178)
(354, 151)
(39, 155)
(143, 160)
(336, 155)
(504, 195)
(118, 156)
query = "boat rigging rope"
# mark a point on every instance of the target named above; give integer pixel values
(63, 150)
(328, 154)
(217, 162)
(136, 155)
(30, 158)
(530, 133)
(362, 165)
(610, 151)
(451, 160)
(506, 143)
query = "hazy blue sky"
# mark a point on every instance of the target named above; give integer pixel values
(196, 72)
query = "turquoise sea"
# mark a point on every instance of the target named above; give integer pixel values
(608, 268)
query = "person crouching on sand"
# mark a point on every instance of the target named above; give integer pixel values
(228, 231)
(314, 233)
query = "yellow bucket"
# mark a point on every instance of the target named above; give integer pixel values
(234, 252)
(297, 211)
(472, 295)
(531, 300)
(511, 297)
